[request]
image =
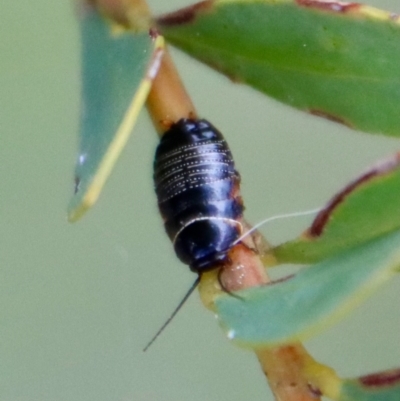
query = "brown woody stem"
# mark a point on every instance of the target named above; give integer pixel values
(168, 102)
(283, 365)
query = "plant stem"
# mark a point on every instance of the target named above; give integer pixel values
(168, 100)
(284, 366)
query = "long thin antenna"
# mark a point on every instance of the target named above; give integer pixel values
(176, 310)
(277, 217)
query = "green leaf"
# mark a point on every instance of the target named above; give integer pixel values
(333, 59)
(367, 208)
(117, 70)
(383, 386)
(316, 297)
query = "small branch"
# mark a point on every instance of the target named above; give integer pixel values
(294, 376)
(168, 100)
(284, 366)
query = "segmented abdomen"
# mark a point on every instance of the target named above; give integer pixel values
(197, 187)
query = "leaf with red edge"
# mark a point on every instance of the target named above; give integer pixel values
(383, 386)
(365, 209)
(330, 58)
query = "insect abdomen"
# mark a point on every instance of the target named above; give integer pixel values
(197, 187)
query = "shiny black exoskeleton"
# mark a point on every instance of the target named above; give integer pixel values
(197, 187)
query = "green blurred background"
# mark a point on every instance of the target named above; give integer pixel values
(79, 302)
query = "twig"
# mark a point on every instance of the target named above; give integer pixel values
(286, 367)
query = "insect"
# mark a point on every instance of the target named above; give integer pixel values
(198, 194)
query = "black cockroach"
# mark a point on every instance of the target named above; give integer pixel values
(197, 188)
(198, 195)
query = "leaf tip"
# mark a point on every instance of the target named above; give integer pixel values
(76, 211)
(82, 201)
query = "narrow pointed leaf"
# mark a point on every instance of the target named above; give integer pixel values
(383, 386)
(367, 208)
(333, 59)
(117, 70)
(313, 299)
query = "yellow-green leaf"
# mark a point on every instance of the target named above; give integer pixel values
(118, 67)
